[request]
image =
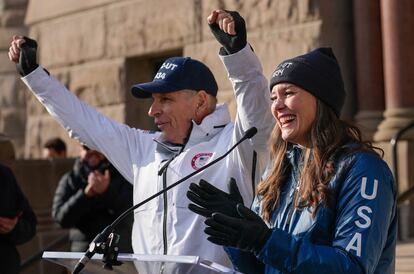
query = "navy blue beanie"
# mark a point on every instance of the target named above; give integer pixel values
(317, 72)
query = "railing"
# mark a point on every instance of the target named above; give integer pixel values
(38, 256)
(407, 194)
(394, 154)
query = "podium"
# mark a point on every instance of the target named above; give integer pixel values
(140, 264)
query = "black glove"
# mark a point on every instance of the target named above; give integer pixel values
(209, 199)
(28, 54)
(231, 43)
(248, 233)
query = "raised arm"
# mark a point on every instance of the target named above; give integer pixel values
(249, 84)
(118, 142)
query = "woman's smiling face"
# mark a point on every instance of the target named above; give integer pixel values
(295, 110)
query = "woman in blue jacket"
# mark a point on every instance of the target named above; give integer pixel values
(328, 201)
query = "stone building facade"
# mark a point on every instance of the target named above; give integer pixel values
(12, 102)
(99, 48)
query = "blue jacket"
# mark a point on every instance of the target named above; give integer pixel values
(357, 236)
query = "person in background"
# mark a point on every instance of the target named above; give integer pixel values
(90, 197)
(54, 148)
(17, 221)
(328, 202)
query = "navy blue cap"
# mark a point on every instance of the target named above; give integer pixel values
(178, 73)
(317, 72)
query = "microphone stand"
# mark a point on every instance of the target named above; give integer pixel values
(100, 243)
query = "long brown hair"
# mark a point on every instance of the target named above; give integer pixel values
(327, 136)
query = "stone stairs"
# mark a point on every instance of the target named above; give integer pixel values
(405, 258)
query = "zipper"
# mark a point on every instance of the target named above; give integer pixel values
(164, 226)
(296, 160)
(292, 207)
(163, 172)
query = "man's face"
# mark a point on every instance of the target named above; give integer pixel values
(173, 113)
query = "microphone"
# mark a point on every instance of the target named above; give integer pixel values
(105, 233)
(101, 237)
(249, 134)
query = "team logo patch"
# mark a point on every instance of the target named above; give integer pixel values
(200, 159)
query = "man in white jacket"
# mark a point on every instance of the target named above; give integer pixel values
(193, 132)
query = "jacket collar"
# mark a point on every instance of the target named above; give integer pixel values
(295, 154)
(210, 126)
(167, 148)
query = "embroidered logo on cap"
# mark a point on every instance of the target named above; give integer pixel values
(281, 68)
(200, 159)
(163, 70)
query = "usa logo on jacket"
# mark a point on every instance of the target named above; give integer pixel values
(200, 159)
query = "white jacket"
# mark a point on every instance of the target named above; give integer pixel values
(166, 222)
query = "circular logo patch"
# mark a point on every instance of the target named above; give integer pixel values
(200, 159)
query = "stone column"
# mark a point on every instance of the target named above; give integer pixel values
(398, 41)
(12, 101)
(370, 82)
(337, 32)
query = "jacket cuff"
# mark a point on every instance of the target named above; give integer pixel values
(242, 65)
(36, 79)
